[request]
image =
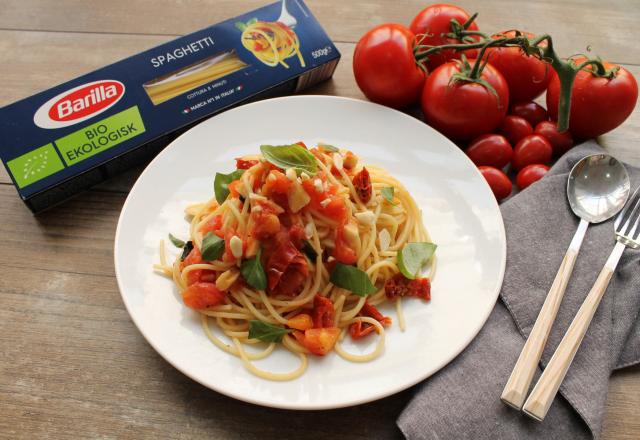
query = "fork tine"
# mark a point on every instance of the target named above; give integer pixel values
(623, 220)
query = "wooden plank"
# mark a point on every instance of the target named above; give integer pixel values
(575, 25)
(622, 419)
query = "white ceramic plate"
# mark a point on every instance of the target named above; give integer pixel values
(458, 208)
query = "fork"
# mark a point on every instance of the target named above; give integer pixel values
(627, 235)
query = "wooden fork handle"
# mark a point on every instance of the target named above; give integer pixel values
(515, 391)
(547, 387)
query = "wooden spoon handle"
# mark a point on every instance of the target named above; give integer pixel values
(547, 387)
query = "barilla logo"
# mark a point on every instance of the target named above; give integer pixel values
(79, 104)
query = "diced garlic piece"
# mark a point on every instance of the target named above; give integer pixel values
(291, 174)
(271, 177)
(297, 197)
(308, 231)
(227, 278)
(366, 217)
(337, 161)
(352, 236)
(325, 202)
(235, 244)
(317, 183)
(385, 239)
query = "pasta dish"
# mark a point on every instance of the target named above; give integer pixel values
(298, 247)
(271, 42)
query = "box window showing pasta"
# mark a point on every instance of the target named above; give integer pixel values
(193, 76)
(63, 140)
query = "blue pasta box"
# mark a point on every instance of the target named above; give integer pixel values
(64, 140)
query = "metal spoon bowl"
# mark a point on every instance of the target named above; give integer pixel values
(598, 187)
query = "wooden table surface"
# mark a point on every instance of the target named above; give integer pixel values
(73, 365)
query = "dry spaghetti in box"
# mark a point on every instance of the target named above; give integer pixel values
(61, 141)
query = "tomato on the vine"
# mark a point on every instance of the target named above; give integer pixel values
(526, 75)
(385, 67)
(560, 142)
(530, 174)
(498, 181)
(598, 104)
(531, 149)
(533, 112)
(464, 109)
(431, 26)
(490, 149)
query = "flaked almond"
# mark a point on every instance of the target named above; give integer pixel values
(235, 244)
(365, 217)
(385, 239)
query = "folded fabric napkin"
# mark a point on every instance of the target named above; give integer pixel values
(463, 399)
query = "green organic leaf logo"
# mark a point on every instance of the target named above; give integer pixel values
(35, 165)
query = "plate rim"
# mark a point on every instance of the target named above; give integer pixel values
(313, 406)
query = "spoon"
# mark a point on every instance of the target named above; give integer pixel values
(286, 17)
(597, 189)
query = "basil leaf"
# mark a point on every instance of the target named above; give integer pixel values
(253, 272)
(329, 148)
(290, 156)
(212, 247)
(266, 332)
(352, 279)
(176, 241)
(221, 184)
(388, 192)
(240, 25)
(186, 250)
(252, 21)
(309, 251)
(413, 256)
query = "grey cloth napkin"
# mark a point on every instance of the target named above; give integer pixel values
(463, 400)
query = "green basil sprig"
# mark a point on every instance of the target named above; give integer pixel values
(290, 156)
(413, 256)
(253, 272)
(176, 241)
(221, 184)
(266, 332)
(186, 250)
(212, 247)
(353, 279)
(388, 192)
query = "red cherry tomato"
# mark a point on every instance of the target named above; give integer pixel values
(497, 180)
(530, 174)
(531, 149)
(432, 22)
(464, 110)
(560, 142)
(526, 75)
(533, 112)
(598, 105)
(385, 68)
(515, 128)
(490, 149)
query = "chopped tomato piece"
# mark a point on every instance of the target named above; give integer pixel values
(202, 295)
(361, 329)
(297, 235)
(212, 225)
(300, 322)
(194, 257)
(323, 312)
(349, 161)
(265, 224)
(401, 286)
(362, 185)
(319, 341)
(341, 250)
(286, 268)
(233, 189)
(228, 255)
(336, 210)
(276, 183)
(245, 164)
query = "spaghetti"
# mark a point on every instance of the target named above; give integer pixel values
(271, 42)
(299, 247)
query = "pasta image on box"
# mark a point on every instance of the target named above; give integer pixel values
(62, 141)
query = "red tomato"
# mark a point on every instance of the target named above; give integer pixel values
(319, 341)
(245, 164)
(286, 269)
(490, 149)
(341, 250)
(432, 22)
(300, 322)
(531, 111)
(398, 286)
(194, 257)
(497, 180)
(362, 185)
(323, 312)
(335, 209)
(531, 149)
(212, 225)
(361, 329)
(276, 183)
(526, 75)
(560, 142)
(199, 296)
(515, 128)
(385, 68)
(464, 110)
(598, 105)
(530, 174)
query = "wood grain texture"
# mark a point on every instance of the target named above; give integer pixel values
(74, 365)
